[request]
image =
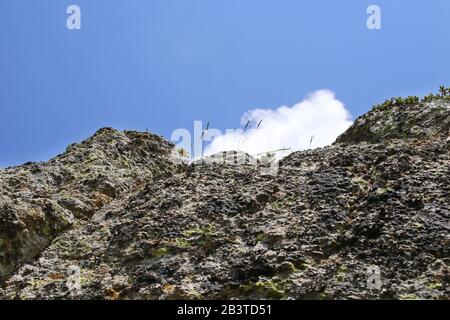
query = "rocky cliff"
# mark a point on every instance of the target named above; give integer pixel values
(367, 217)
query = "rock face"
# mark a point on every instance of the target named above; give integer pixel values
(40, 200)
(386, 122)
(368, 217)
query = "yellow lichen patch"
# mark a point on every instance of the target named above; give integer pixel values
(112, 294)
(56, 276)
(168, 289)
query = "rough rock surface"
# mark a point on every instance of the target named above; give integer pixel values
(40, 200)
(139, 227)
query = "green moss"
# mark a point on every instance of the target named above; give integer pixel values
(274, 288)
(292, 267)
(35, 284)
(247, 287)
(343, 269)
(276, 205)
(284, 202)
(205, 231)
(77, 251)
(434, 285)
(305, 265)
(324, 296)
(417, 225)
(182, 243)
(341, 273)
(201, 237)
(260, 237)
(162, 251)
(194, 294)
(105, 231)
(47, 231)
(381, 191)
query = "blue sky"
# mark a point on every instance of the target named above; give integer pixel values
(161, 64)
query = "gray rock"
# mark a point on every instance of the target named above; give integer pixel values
(367, 218)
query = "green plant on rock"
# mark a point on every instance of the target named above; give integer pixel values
(324, 295)
(306, 265)
(444, 93)
(283, 202)
(35, 284)
(291, 267)
(399, 101)
(429, 98)
(412, 100)
(273, 288)
(447, 92)
(434, 285)
(182, 243)
(47, 231)
(360, 181)
(201, 237)
(202, 231)
(341, 273)
(260, 237)
(162, 251)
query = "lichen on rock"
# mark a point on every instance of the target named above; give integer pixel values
(375, 203)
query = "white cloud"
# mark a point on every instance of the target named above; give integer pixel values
(320, 115)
